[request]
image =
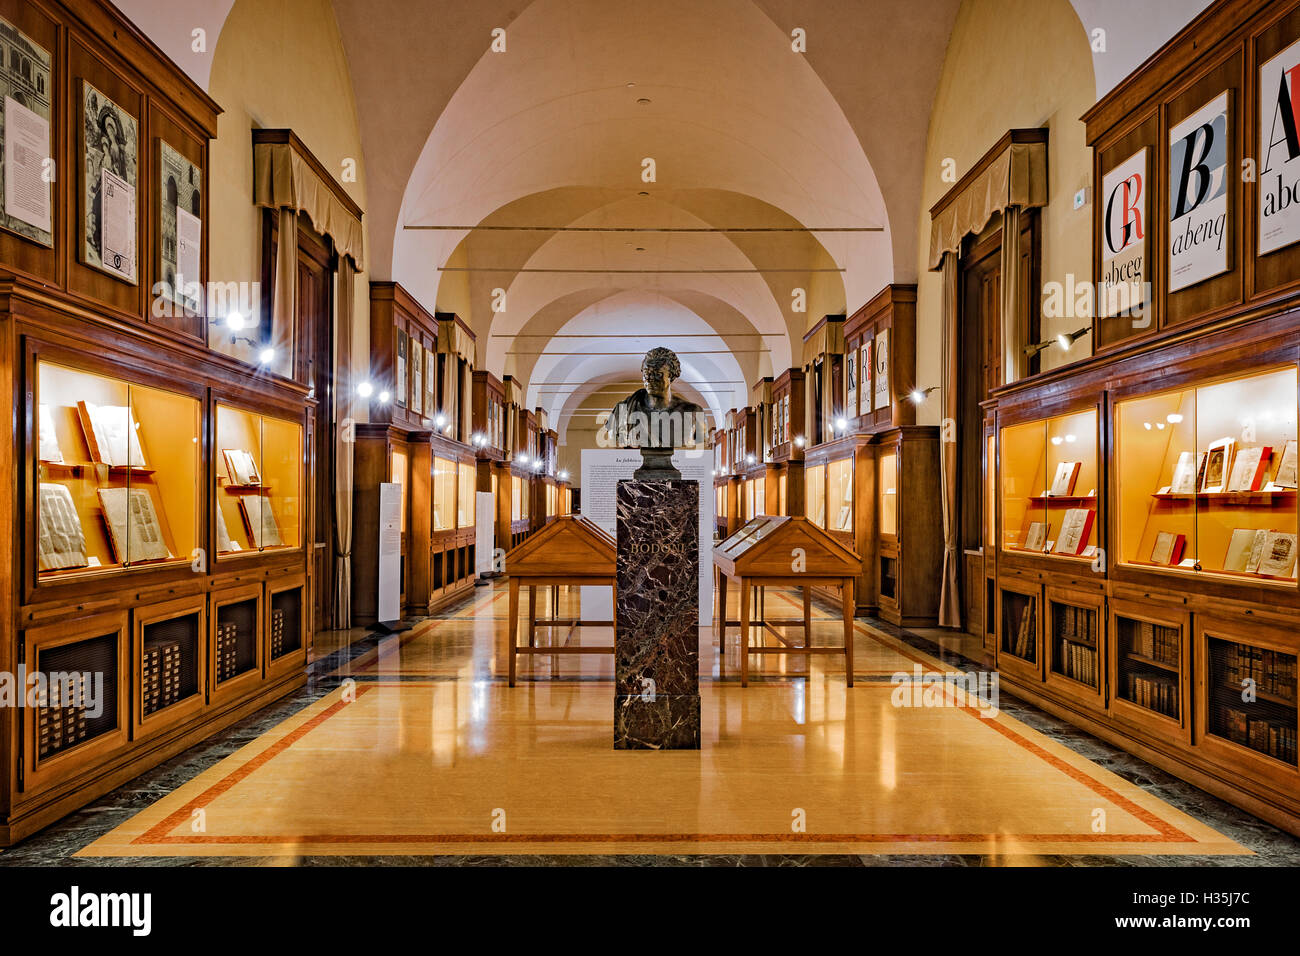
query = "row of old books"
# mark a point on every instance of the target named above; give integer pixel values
(1076, 623)
(1078, 661)
(1269, 737)
(277, 632)
(160, 675)
(1024, 644)
(1156, 642)
(1153, 691)
(62, 723)
(227, 650)
(1272, 671)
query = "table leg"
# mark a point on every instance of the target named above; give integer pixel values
(807, 615)
(744, 633)
(846, 590)
(512, 627)
(532, 615)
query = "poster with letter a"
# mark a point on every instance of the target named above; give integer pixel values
(1123, 249)
(1198, 195)
(1279, 150)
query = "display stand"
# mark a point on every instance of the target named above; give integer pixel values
(758, 556)
(570, 551)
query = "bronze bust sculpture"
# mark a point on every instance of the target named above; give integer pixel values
(655, 420)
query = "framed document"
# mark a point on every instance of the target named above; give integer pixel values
(851, 384)
(864, 363)
(882, 369)
(431, 385)
(1277, 559)
(25, 84)
(417, 377)
(402, 341)
(180, 227)
(241, 467)
(1279, 151)
(108, 185)
(1197, 222)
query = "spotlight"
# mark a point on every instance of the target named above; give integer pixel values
(440, 420)
(749, 459)
(384, 397)
(267, 356)
(364, 389)
(841, 424)
(523, 459)
(234, 321)
(1065, 341)
(798, 441)
(563, 476)
(920, 394)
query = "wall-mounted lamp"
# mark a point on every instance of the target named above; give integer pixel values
(921, 394)
(385, 397)
(749, 459)
(267, 355)
(365, 389)
(1063, 341)
(563, 476)
(798, 441)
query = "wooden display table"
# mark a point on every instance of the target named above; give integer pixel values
(570, 550)
(784, 552)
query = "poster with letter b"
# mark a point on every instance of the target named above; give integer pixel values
(1198, 195)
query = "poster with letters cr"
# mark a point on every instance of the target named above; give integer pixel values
(1198, 195)
(1124, 245)
(1279, 150)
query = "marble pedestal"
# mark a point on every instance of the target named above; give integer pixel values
(656, 640)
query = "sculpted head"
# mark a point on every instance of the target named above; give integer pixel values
(659, 369)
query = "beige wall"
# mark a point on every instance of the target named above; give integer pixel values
(1011, 63)
(279, 65)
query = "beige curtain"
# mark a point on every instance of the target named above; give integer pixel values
(1016, 177)
(284, 307)
(282, 178)
(343, 445)
(1013, 344)
(949, 595)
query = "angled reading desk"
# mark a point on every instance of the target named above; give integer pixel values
(778, 551)
(570, 550)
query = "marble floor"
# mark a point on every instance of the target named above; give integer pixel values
(412, 749)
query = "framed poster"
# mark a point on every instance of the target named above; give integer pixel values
(417, 378)
(1123, 249)
(180, 227)
(1279, 151)
(851, 383)
(882, 369)
(109, 164)
(400, 396)
(864, 363)
(25, 205)
(1198, 195)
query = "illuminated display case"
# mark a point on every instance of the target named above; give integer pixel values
(1206, 479)
(815, 494)
(259, 469)
(839, 495)
(118, 474)
(1049, 486)
(887, 510)
(444, 494)
(465, 495)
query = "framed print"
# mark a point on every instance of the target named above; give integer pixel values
(1218, 466)
(1198, 195)
(180, 228)
(1124, 226)
(109, 164)
(1279, 151)
(25, 198)
(882, 369)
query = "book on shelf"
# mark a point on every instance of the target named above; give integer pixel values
(263, 531)
(224, 544)
(1286, 468)
(240, 467)
(1067, 473)
(1240, 547)
(61, 542)
(133, 526)
(1218, 465)
(112, 435)
(1184, 480)
(1036, 537)
(1076, 526)
(47, 437)
(1249, 467)
(1168, 548)
(1277, 559)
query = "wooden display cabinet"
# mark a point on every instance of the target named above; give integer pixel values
(823, 354)
(489, 422)
(840, 496)
(1150, 672)
(169, 657)
(96, 646)
(259, 483)
(880, 361)
(1246, 698)
(908, 527)
(1074, 638)
(235, 641)
(1020, 628)
(787, 421)
(286, 626)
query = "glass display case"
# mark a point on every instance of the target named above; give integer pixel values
(1206, 478)
(444, 494)
(815, 494)
(1049, 485)
(839, 495)
(398, 465)
(259, 466)
(117, 471)
(888, 487)
(465, 495)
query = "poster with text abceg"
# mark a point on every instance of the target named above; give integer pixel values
(1279, 150)
(1198, 195)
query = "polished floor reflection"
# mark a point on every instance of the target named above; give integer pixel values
(418, 747)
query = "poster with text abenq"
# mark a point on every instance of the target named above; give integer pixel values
(1198, 195)
(1279, 150)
